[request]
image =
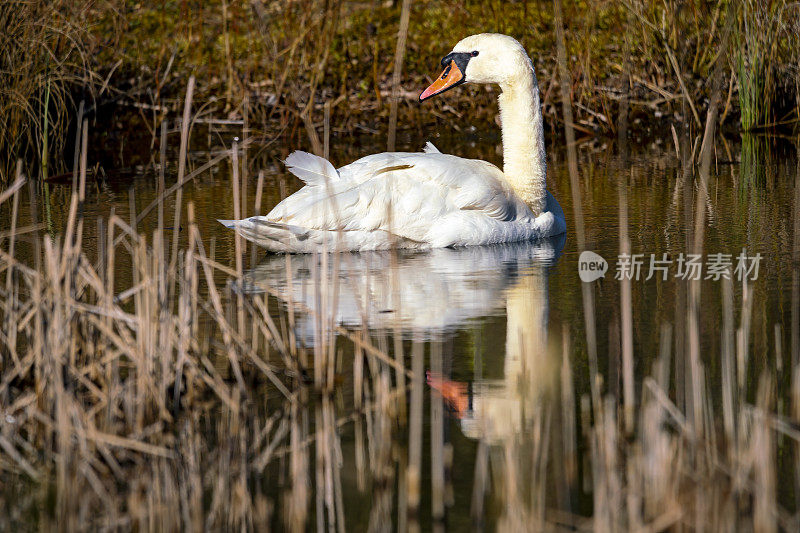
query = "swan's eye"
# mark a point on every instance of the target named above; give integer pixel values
(474, 53)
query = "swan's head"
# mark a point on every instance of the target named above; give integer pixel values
(482, 58)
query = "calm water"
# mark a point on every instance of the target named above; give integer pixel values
(503, 326)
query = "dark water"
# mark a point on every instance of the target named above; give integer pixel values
(504, 326)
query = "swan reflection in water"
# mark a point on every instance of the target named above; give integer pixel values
(428, 295)
(425, 293)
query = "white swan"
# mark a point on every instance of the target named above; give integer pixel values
(429, 199)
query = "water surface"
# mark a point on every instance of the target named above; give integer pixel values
(504, 354)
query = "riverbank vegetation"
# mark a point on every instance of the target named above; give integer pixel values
(633, 64)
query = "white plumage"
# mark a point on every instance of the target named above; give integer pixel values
(429, 199)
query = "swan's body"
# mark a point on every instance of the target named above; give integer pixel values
(429, 199)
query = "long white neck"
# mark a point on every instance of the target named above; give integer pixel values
(524, 156)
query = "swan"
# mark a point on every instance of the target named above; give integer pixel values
(428, 199)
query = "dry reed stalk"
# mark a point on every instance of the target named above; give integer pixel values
(764, 512)
(358, 384)
(693, 320)
(237, 239)
(397, 331)
(687, 97)
(397, 72)
(479, 486)
(9, 326)
(627, 314)
(331, 326)
(319, 470)
(575, 188)
(569, 435)
(624, 104)
(162, 164)
(680, 358)
(402, 492)
(728, 366)
(662, 375)
(319, 275)
(414, 472)
(245, 169)
(184, 146)
(795, 313)
(381, 442)
(298, 500)
(328, 486)
(78, 143)
(437, 439)
(15, 186)
(184, 306)
(257, 212)
(299, 359)
(326, 131)
(336, 463)
(313, 137)
(228, 59)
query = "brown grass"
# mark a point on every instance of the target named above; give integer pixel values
(284, 61)
(43, 55)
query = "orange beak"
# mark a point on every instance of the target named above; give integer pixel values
(454, 392)
(451, 77)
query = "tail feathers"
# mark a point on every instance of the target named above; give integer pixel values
(430, 148)
(278, 230)
(274, 236)
(310, 168)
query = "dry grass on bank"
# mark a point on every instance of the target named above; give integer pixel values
(632, 64)
(42, 58)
